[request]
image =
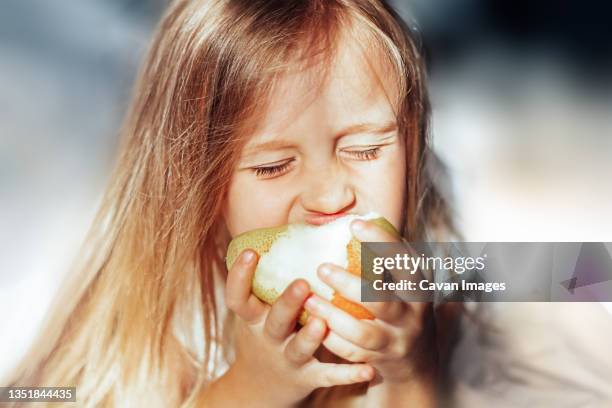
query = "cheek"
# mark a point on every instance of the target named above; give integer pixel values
(254, 204)
(381, 186)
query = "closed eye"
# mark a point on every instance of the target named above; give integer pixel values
(271, 171)
(369, 154)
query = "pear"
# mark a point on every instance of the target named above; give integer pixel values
(295, 251)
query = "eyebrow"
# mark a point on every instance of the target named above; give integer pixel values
(377, 128)
(367, 128)
(275, 144)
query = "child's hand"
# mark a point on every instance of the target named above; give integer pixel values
(398, 342)
(270, 355)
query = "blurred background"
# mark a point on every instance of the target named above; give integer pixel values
(522, 98)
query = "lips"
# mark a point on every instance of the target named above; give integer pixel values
(323, 219)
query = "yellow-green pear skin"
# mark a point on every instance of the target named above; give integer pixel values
(387, 226)
(260, 240)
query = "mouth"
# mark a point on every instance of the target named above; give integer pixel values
(323, 219)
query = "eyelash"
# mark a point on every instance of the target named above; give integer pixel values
(369, 154)
(271, 171)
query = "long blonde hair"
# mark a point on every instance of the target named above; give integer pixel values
(120, 330)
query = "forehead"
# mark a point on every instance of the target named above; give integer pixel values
(355, 84)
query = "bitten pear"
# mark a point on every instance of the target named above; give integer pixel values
(295, 251)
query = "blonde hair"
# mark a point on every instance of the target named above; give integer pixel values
(120, 330)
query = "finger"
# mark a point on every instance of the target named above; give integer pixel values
(330, 374)
(283, 314)
(347, 350)
(349, 286)
(238, 296)
(362, 333)
(303, 345)
(367, 231)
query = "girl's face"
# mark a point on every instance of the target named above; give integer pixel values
(321, 152)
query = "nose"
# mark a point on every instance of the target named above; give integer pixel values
(327, 192)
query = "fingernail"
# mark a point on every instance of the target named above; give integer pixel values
(366, 374)
(358, 225)
(300, 288)
(325, 271)
(248, 256)
(312, 303)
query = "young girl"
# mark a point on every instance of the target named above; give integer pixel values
(251, 114)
